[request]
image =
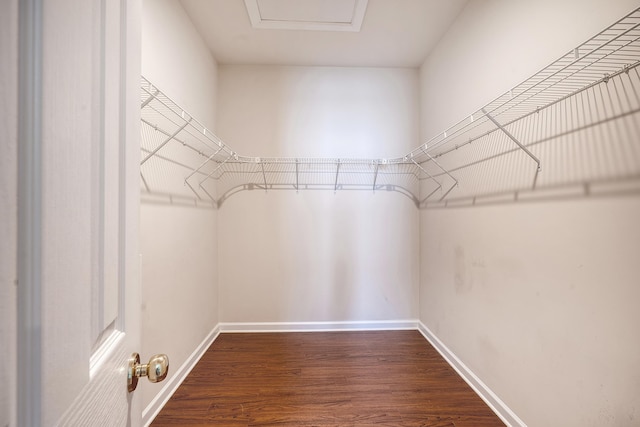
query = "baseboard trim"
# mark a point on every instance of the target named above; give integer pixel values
(375, 325)
(172, 384)
(490, 398)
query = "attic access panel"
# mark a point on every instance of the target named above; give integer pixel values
(312, 15)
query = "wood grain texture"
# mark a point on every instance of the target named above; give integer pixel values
(382, 378)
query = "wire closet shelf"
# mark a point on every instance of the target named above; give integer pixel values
(540, 124)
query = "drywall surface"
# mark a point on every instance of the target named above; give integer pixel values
(537, 297)
(176, 60)
(8, 209)
(315, 255)
(539, 300)
(178, 240)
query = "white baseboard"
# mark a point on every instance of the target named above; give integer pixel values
(172, 384)
(481, 389)
(375, 325)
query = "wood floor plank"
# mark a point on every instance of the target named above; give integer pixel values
(370, 378)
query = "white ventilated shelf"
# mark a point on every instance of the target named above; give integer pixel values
(576, 122)
(183, 159)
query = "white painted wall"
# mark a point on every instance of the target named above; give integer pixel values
(315, 255)
(176, 59)
(538, 299)
(178, 241)
(8, 208)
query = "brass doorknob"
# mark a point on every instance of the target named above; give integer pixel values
(156, 370)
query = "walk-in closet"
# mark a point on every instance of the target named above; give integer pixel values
(324, 212)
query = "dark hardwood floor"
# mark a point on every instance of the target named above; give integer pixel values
(381, 378)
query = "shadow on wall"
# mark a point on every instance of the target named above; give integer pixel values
(588, 146)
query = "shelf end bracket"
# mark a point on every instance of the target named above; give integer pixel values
(375, 176)
(440, 166)
(511, 137)
(264, 176)
(427, 173)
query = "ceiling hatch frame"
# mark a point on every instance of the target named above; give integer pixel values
(258, 21)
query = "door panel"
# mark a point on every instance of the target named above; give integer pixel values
(83, 323)
(8, 200)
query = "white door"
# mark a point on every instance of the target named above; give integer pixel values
(78, 294)
(8, 202)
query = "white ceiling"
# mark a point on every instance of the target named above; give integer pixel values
(394, 33)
